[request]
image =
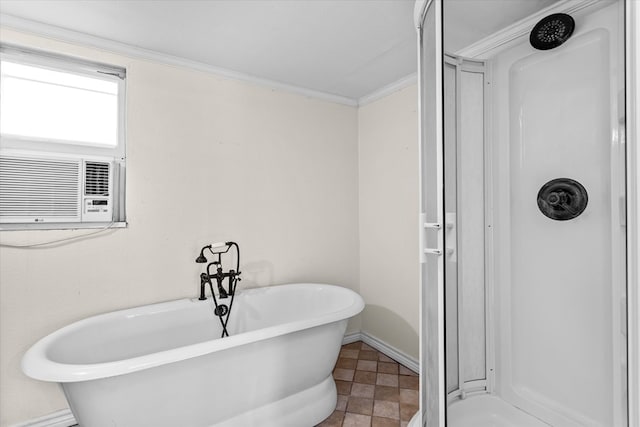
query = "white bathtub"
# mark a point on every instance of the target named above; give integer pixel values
(166, 365)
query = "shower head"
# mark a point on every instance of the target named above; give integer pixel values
(552, 31)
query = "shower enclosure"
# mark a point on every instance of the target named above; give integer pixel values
(523, 225)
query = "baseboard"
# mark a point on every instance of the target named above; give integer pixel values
(384, 348)
(352, 337)
(61, 418)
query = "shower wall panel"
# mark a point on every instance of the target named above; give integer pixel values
(561, 274)
(559, 290)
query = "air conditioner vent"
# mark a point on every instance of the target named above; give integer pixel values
(96, 182)
(32, 188)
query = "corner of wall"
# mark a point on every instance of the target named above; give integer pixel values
(387, 199)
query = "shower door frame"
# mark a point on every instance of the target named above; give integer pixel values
(433, 399)
(632, 89)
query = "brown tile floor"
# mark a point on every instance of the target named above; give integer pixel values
(373, 390)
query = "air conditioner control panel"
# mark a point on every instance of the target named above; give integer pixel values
(96, 209)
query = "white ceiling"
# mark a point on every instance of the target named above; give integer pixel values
(348, 48)
(467, 21)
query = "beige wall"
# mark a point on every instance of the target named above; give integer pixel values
(388, 194)
(209, 159)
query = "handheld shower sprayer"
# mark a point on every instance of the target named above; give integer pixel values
(202, 259)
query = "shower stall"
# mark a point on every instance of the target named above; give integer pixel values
(523, 213)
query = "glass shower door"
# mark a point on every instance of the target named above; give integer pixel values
(432, 378)
(533, 269)
(522, 312)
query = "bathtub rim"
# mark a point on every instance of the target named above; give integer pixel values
(37, 365)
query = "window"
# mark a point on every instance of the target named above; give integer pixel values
(62, 145)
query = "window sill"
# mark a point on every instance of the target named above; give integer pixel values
(63, 226)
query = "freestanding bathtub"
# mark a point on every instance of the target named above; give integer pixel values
(166, 365)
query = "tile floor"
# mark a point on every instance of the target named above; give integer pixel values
(373, 390)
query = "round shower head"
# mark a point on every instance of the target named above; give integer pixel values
(552, 31)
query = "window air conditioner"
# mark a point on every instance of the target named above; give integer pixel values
(54, 189)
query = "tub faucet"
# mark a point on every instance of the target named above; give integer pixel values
(219, 276)
(222, 311)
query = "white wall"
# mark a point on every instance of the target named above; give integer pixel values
(388, 171)
(209, 159)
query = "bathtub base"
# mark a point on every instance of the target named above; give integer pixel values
(163, 365)
(306, 408)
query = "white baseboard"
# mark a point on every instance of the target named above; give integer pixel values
(352, 337)
(384, 348)
(61, 418)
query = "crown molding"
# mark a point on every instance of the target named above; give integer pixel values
(389, 89)
(521, 28)
(70, 36)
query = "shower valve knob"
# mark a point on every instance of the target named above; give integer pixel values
(562, 199)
